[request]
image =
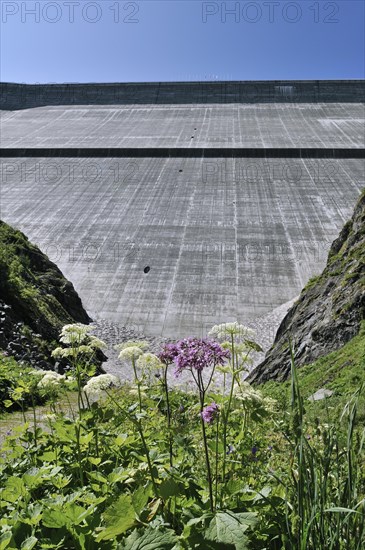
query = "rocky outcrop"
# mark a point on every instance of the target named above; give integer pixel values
(35, 300)
(329, 310)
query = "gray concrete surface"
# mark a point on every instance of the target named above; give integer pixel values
(261, 125)
(169, 246)
(224, 239)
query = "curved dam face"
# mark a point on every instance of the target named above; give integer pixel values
(198, 203)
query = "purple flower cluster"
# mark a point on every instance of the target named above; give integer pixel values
(198, 354)
(193, 353)
(210, 412)
(168, 354)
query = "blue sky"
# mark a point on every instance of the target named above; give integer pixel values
(131, 41)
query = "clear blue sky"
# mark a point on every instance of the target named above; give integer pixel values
(132, 41)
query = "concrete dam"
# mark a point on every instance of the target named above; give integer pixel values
(175, 206)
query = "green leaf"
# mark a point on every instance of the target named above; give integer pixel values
(94, 461)
(119, 517)
(339, 509)
(140, 499)
(14, 489)
(85, 439)
(97, 476)
(229, 528)
(169, 488)
(76, 514)
(29, 543)
(5, 540)
(151, 539)
(48, 456)
(54, 517)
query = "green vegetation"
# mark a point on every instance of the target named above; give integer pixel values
(34, 287)
(342, 371)
(145, 467)
(18, 386)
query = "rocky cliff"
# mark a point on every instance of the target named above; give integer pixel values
(35, 300)
(329, 310)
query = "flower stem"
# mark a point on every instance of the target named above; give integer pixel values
(138, 384)
(205, 442)
(226, 414)
(216, 461)
(147, 453)
(168, 415)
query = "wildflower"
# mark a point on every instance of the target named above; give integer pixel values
(231, 329)
(168, 353)
(132, 352)
(141, 344)
(96, 343)
(254, 450)
(50, 379)
(36, 372)
(51, 417)
(196, 353)
(210, 412)
(75, 334)
(148, 361)
(98, 384)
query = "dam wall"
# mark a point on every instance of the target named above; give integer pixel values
(176, 206)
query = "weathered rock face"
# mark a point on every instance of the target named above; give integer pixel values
(329, 310)
(35, 299)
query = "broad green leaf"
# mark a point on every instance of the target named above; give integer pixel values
(33, 514)
(29, 543)
(118, 474)
(54, 517)
(5, 540)
(48, 456)
(76, 514)
(97, 476)
(119, 517)
(229, 528)
(94, 461)
(169, 488)
(14, 489)
(151, 539)
(85, 439)
(140, 499)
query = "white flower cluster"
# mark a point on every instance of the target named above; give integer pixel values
(50, 417)
(51, 379)
(80, 341)
(96, 386)
(75, 334)
(141, 344)
(129, 353)
(149, 361)
(253, 399)
(225, 330)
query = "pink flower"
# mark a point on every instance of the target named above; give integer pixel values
(210, 412)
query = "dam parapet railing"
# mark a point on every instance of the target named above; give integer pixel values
(15, 96)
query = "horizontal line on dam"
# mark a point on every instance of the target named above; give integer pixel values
(160, 152)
